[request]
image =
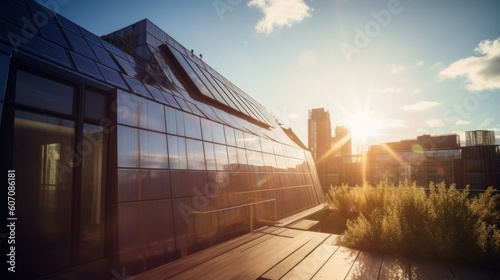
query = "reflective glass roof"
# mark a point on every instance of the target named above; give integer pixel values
(140, 59)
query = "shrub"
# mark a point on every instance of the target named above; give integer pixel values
(442, 223)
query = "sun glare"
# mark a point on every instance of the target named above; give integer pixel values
(364, 127)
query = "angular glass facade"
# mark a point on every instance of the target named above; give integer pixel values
(130, 151)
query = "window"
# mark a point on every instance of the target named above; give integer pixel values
(38, 92)
(62, 159)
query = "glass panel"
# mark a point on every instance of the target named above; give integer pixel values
(240, 138)
(155, 184)
(79, 44)
(92, 196)
(177, 152)
(229, 133)
(51, 32)
(86, 66)
(42, 150)
(126, 66)
(137, 86)
(54, 52)
(196, 158)
(95, 105)
(112, 76)
(179, 118)
(206, 127)
(210, 156)
(232, 155)
(153, 150)
(127, 108)
(182, 104)
(218, 133)
(196, 80)
(171, 122)
(128, 145)
(152, 115)
(221, 157)
(192, 124)
(158, 96)
(35, 91)
(103, 56)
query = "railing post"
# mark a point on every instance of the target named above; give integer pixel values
(251, 217)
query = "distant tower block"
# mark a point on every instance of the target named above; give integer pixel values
(479, 138)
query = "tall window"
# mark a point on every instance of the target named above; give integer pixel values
(59, 152)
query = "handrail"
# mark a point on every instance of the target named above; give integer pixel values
(234, 207)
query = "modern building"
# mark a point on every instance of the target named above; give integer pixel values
(129, 151)
(332, 154)
(424, 159)
(319, 136)
(480, 160)
(341, 142)
(438, 158)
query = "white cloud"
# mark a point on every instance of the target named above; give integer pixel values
(462, 122)
(435, 123)
(279, 13)
(420, 63)
(389, 89)
(485, 123)
(417, 90)
(396, 123)
(494, 129)
(482, 71)
(420, 106)
(397, 68)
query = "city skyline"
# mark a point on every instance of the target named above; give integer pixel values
(388, 70)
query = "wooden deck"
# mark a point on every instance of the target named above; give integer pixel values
(285, 253)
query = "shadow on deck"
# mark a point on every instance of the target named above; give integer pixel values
(286, 253)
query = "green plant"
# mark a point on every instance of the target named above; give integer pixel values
(441, 223)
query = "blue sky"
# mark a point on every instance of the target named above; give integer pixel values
(387, 69)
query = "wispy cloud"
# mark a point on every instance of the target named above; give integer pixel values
(397, 68)
(462, 122)
(395, 123)
(482, 71)
(420, 106)
(435, 123)
(420, 63)
(389, 90)
(279, 13)
(417, 90)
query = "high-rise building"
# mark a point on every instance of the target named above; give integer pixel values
(319, 133)
(332, 155)
(320, 140)
(341, 142)
(128, 151)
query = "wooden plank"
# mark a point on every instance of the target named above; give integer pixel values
(256, 242)
(366, 266)
(463, 272)
(395, 267)
(429, 270)
(173, 268)
(332, 239)
(338, 265)
(312, 263)
(303, 224)
(280, 269)
(248, 264)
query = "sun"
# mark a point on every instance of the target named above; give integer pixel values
(364, 127)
